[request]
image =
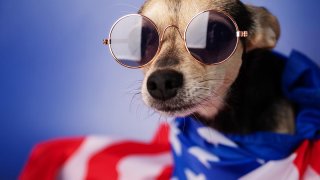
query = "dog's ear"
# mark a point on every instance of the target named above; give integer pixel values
(266, 30)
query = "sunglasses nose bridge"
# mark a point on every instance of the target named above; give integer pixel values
(171, 26)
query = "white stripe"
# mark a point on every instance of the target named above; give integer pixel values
(76, 166)
(143, 167)
(311, 174)
(275, 170)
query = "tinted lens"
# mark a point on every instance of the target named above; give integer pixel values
(134, 40)
(211, 37)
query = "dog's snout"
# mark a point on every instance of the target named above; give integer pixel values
(164, 84)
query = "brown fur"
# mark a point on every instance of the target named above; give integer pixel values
(206, 87)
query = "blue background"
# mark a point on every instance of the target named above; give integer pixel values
(57, 79)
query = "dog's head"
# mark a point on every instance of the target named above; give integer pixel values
(175, 84)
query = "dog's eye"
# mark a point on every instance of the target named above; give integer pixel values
(148, 36)
(217, 33)
(149, 42)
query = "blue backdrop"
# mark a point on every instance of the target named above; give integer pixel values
(57, 79)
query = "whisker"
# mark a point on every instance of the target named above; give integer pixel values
(134, 97)
(205, 88)
(215, 80)
(218, 97)
(204, 76)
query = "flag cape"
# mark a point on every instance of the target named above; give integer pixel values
(186, 149)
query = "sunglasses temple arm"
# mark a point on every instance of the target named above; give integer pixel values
(242, 33)
(106, 42)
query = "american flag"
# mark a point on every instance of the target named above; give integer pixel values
(99, 158)
(186, 149)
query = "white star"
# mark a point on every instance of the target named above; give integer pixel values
(214, 137)
(203, 156)
(192, 176)
(261, 161)
(174, 132)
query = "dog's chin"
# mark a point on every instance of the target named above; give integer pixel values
(205, 109)
(179, 111)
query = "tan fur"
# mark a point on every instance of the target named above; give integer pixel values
(205, 98)
(207, 102)
(267, 29)
(285, 116)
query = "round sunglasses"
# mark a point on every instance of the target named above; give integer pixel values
(211, 37)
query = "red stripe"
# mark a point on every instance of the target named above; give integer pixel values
(162, 135)
(308, 154)
(47, 158)
(302, 159)
(103, 165)
(166, 173)
(315, 156)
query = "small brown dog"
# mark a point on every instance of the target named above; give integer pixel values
(210, 59)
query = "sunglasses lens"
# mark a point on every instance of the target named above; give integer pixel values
(134, 40)
(211, 37)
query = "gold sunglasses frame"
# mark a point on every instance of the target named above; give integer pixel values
(239, 34)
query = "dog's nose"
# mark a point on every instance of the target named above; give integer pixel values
(164, 84)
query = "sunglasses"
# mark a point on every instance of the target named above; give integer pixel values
(211, 37)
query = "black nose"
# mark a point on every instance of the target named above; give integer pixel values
(164, 84)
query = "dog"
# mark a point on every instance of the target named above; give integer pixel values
(236, 89)
(241, 95)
